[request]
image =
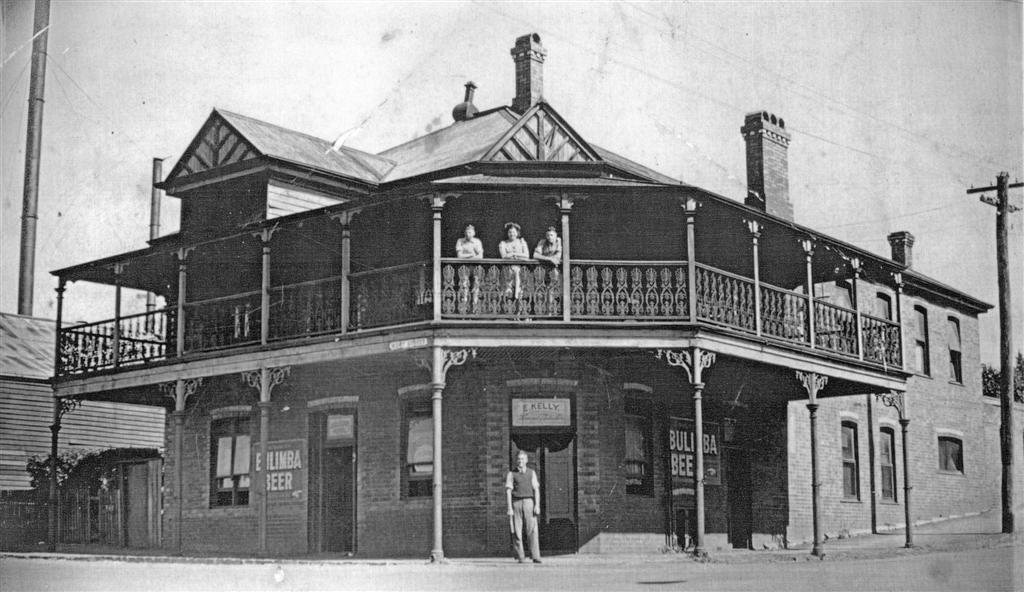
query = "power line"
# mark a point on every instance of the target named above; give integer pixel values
(723, 103)
(761, 69)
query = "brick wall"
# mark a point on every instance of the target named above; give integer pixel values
(936, 405)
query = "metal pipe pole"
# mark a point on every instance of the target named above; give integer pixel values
(155, 197)
(904, 424)
(33, 145)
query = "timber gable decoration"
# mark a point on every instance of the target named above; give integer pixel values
(541, 135)
(217, 144)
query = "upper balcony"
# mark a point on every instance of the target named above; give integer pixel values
(636, 257)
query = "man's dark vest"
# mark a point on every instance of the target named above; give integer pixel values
(522, 484)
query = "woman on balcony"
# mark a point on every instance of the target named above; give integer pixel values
(514, 247)
(469, 246)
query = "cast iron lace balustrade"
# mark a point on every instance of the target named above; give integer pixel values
(498, 288)
(483, 289)
(725, 298)
(835, 328)
(881, 341)
(90, 347)
(222, 322)
(391, 296)
(628, 290)
(783, 314)
(306, 308)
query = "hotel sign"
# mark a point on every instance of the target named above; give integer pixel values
(537, 413)
(682, 447)
(284, 471)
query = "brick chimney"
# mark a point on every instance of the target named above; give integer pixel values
(528, 54)
(902, 243)
(767, 163)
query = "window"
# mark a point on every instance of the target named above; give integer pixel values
(418, 460)
(956, 372)
(921, 340)
(887, 461)
(230, 446)
(883, 306)
(639, 460)
(851, 467)
(951, 454)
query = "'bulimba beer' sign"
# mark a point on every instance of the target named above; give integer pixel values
(285, 470)
(682, 449)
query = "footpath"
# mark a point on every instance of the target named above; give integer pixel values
(981, 531)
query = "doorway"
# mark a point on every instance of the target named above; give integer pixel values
(332, 505)
(553, 457)
(737, 462)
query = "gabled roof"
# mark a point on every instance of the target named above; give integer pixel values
(26, 346)
(460, 143)
(228, 138)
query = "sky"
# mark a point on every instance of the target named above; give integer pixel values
(895, 109)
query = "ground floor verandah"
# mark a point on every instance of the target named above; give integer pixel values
(352, 451)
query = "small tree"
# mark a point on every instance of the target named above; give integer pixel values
(990, 380)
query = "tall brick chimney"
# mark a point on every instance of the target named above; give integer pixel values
(528, 55)
(902, 243)
(767, 163)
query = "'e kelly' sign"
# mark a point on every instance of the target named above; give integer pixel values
(554, 412)
(285, 470)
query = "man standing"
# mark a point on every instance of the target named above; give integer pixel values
(522, 492)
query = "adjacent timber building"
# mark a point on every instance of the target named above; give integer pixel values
(338, 381)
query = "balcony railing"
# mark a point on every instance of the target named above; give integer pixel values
(497, 289)
(127, 341)
(629, 290)
(227, 321)
(391, 296)
(490, 290)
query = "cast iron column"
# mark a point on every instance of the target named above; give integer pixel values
(441, 360)
(437, 202)
(755, 233)
(182, 290)
(694, 361)
(808, 246)
(690, 208)
(813, 383)
(565, 207)
(898, 401)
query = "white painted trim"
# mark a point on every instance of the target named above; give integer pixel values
(949, 432)
(231, 411)
(849, 416)
(411, 391)
(636, 386)
(333, 402)
(556, 384)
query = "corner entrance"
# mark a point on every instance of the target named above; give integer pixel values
(544, 428)
(332, 482)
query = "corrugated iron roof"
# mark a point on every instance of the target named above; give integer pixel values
(480, 179)
(280, 142)
(26, 346)
(460, 143)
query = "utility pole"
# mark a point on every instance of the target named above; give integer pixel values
(1006, 430)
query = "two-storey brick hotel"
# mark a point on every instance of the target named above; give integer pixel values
(692, 371)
